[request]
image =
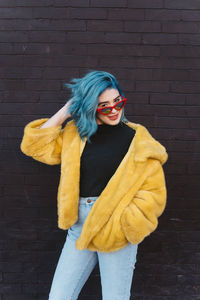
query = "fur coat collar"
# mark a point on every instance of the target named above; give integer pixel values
(128, 208)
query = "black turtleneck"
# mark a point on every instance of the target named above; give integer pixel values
(101, 158)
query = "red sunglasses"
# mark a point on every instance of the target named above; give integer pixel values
(108, 109)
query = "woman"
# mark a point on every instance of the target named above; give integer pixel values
(112, 185)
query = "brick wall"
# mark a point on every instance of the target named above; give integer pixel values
(153, 49)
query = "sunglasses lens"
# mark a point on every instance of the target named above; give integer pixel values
(119, 105)
(105, 111)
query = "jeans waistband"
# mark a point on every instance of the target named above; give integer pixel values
(88, 200)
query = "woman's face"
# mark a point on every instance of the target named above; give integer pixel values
(108, 98)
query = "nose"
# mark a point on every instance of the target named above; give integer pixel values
(115, 111)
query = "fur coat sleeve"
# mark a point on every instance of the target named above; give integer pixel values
(140, 217)
(43, 144)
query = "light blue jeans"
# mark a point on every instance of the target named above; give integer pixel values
(75, 266)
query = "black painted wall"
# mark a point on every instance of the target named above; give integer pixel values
(153, 49)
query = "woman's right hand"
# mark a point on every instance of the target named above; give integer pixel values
(59, 117)
(66, 106)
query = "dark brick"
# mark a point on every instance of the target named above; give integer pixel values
(85, 37)
(7, 3)
(36, 179)
(163, 15)
(46, 36)
(34, 3)
(42, 84)
(189, 39)
(50, 13)
(12, 85)
(20, 297)
(42, 24)
(171, 122)
(18, 213)
(38, 245)
(190, 236)
(152, 86)
(183, 156)
(180, 51)
(18, 233)
(16, 73)
(180, 27)
(35, 108)
(74, 3)
(44, 277)
(7, 288)
(71, 61)
(188, 146)
(167, 74)
(143, 26)
(9, 60)
(185, 87)
(141, 98)
(190, 15)
(9, 167)
(8, 178)
(171, 99)
(175, 134)
(182, 4)
(13, 36)
(182, 63)
(122, 38)
(42, 296)
(88, 13)
(5, 48)
(36, 60)
(72, 49)
(103, 25)
(34, 289)
(195, 123)
(145, 4)
(130, 62)
(18, 190)
(18, 24)
(106, 49)
(15, 13)
(159, 39)
(50, 96)
(56, 24)
(57, 73)
(126, 14)
(110, 3)
(171, 297)
(21, 96)
(192, 99)
(194, 75)
(20, 277)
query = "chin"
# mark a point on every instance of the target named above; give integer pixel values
(113, 122)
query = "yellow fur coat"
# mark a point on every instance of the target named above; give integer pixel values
(128, 208)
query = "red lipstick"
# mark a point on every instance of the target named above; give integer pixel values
(113, 117)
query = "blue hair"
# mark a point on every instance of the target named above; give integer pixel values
(84, 102)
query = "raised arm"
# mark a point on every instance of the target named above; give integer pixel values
(58, 118)
(42, 138)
